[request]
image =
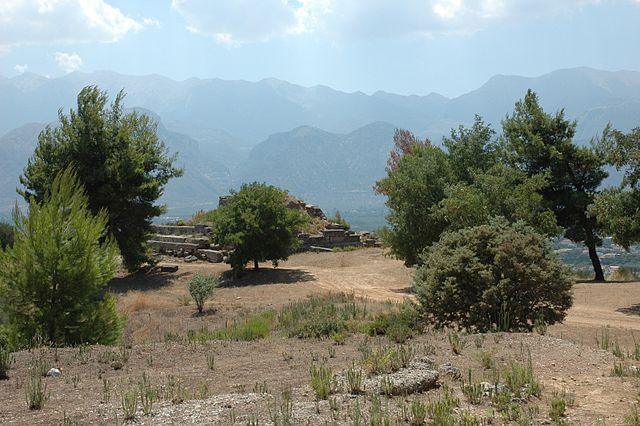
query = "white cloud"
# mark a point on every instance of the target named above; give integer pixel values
(237, 22)
(35, 22)
(69, 62)
(20, 68)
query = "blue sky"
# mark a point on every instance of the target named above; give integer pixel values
(401, 46)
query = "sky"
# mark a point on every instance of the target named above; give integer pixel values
(400, 46)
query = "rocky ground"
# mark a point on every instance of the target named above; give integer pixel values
(589, 362)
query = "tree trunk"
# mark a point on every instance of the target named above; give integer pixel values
(255, 263)
(593, 255)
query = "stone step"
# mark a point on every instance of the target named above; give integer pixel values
(201, 242)
(163, 246)
(180, 229)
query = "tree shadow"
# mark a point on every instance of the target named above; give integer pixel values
(141, 281)
(630, 310)
(404, 290)
(265, 276)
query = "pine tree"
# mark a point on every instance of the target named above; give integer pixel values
(54, 276)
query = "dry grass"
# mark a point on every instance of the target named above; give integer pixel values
(136, 301)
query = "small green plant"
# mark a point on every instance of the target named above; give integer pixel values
(487, 360)
(281, 412)
(106, 391)
(616, 351)
(633, 416)
(202, 390)
(478, 340)
(386, 386)
(521, 380)
(472, 391)
(418, 413)
(467, 418)
(356, 414)
(321, 381)
(184, 300)
(331, 352)
(441, 410)
(148, 394)
(36, 391)
(604, 342)
(211, 360)
(261, 387)
(457, 342)
(557, 409)
(355, 381)
(201, 288)
(129, 402)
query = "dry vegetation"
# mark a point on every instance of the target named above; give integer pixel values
(240, 362)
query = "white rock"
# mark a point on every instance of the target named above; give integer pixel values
(54, 372)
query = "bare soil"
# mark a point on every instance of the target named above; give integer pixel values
(89, 390)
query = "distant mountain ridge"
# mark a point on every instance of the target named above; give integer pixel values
(324, 145)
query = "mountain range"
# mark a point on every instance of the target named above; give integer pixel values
(325, 146)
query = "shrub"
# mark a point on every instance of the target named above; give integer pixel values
(492, 276)
(201, 288)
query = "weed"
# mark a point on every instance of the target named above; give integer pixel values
(36, 391)
(211, 360)
(616, 351)
(355, 381)
(467, 418)
(521, 381)
(202, 390)
(339, 337)
(472, 391)
(557, 409)
(386, 386)
(441, 410)
(457, 342)
(633, 416)
(332, 351)
(418, 413)
(261, 387)
(281, 412)
(321, 381)
(184, 300)
(604, 341)
(487, 360)
(75, 379)
(129, 402)
(478, 340)
(106, 391)
(356, 414)
(148, 394)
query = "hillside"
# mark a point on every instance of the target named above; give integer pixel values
(229, 132)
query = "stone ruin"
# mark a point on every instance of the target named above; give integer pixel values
(193, 243)
(189, 242)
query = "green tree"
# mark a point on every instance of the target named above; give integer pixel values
(539, 143)
(414, 188)
(618, 209)
(258, 225)
(496, 275)
(6, 235)
(430, 190)
(53, 277)
(119, 160)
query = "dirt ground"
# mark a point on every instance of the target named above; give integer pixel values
(566, 358)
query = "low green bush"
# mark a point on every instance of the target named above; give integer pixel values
(496, 276)
(201, 288)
